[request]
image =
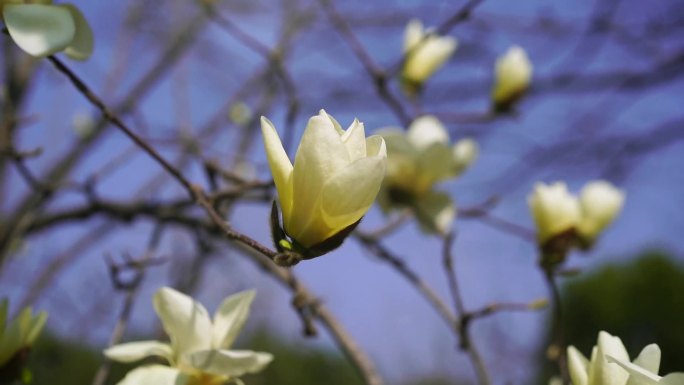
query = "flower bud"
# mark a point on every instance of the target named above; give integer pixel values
(425, 53)
(334, 181)
(601, 202)
(417, 160)
(512, 77)
(554, 210)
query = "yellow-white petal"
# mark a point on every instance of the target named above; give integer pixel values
(435, 212)
(431, 53)
(155, 374)
(348, 195)
(554, 209)
(673, 379)
(135, 351)
(578, 366)
(230, 318)
(320, 155)
(185, 321)
(413, 34)
(232, 363)
(601, 202)
(649, 359)
(426, 131)
(637, 374)
(606, 373)
(513, 74)
(39, 30)
(281, 167)
(81, 47)
(465, 151)
(355, 141)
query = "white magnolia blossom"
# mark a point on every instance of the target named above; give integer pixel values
(418, 159)
(41, 28)
(513, 72)
(199, 352)
(425, 51)
(610, 365)
(600, 202)
(554, 209)
(20, 333)
(334, 181)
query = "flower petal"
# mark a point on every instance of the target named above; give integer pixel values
(673, 379)
(185, 321)
(427, 130)
(639, 375)
(649, 359)
(606, 373)
(134, 351)
(435, 212)
(81, 47)
(230, 318)
(355, 141)
(351, 191)
(320, 155)
(154, 374)
(232, 363)
(413, 34)
(38, 29)
(281, 167)
(578, 366)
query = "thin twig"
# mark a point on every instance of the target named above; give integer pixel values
(557, 347)
(464, 324)
(374, 246)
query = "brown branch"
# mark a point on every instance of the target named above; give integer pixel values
(378, 75)
(463, 326)
(375, 247)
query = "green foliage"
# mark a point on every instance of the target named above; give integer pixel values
(637, 302)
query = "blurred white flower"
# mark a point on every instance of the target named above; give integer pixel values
(41, 28)
(601, 202)
(513, 72)
(425, 52)
(418, 159)
(199, 349)
(610, 365)
(334, 181)
(644, 370)
(554, 210)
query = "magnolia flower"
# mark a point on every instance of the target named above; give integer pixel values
(512, 77)
(600, 202)
(417, 160)
(598, 371)
(199, 350)
(610, 365)
(425, 53)
(41, 28)
(19, 334)
(334, 181)
(554, 210)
